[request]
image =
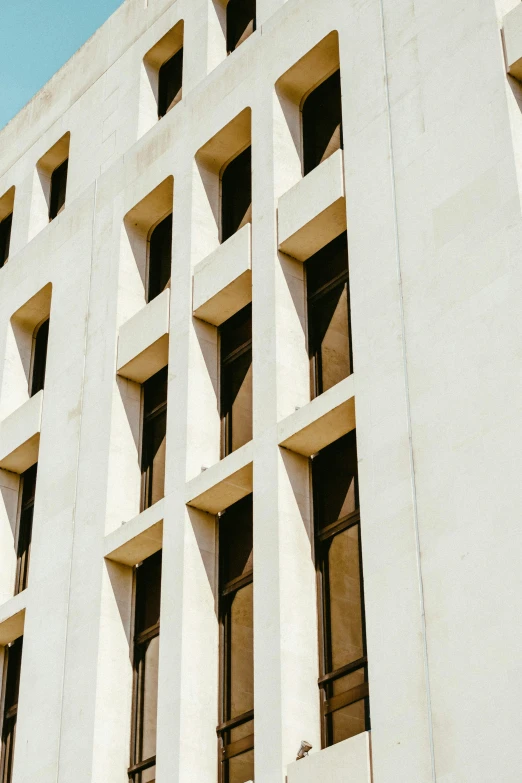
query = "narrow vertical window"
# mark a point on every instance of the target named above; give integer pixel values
(154, 438)
(329, 331)
(41, 338)
(241, 22)
(236, 612)
(170, 79)
(25, 528)
(11, 685)
(322, 122)
(145, 659)
(160, 258)
(236, 380)
(58, 189)
(344, 677)
(236, 194)
(5, 238)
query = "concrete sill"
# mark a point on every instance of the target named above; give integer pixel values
(346, 762)
(313, 212)
(223, 280)
(143, 342)
(321, 422)
(137, 539)
(224, 483)
(20, 436)
(12, 618)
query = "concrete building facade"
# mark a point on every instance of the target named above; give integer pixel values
(424, 181)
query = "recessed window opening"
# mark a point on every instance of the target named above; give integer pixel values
(145, 661)
(10, 689)
(236, 380)
(154, 438)
(322, 122)
(329, 328)
(40, 342)
(241, 22)
(25, 527)
(170, 79)
(5, 238)
(160, 258)
(236, 615)
(236, 194)
(343, 681)
(58, 189)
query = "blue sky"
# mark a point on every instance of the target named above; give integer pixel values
(36, 38)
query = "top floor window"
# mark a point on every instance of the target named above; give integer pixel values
(5, 238)
(322, 122)
(170, 79)
(241, 22)
(58, 189)
(160, 258)
(40, 338)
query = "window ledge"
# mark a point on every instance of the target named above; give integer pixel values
(20, 435)
(143, 342)
(138, 538)
(223, 484)
(348, 760)
(12, 618)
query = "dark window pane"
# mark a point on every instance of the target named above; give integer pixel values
(236, 380)
(41, 338)
(322, 122)
(236, 541)
(170, 79)
(241, 732)
(334, 473)
(241, 22)
(148, 698)
(154, 438)
(344, 584)
(240, 768)
(236, 194)
(329, 334)
(5, 238)
(240, 643)
(348, 721)
(58, 189)
(13, 662)
(148, 593)
(25, 528)
(160, 258)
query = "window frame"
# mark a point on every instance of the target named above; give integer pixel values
(24, 532)
(9, 716)
(55, 207)
(242, 39)
(146, 418)
(148, 294)
(304, 162)
(163, 108)
(39, 359)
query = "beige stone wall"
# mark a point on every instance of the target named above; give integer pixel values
(429, 185)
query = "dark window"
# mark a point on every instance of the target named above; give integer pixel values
(236, 612)
(25, 527)
(58, 188)
(146, 657)
(5, 238)
(11, 685)
(329, 332)
(170, 79)
(154, 437)
(322, 122)
(236, 194)
(236, 380)
(241, 22)
(41, 337)
(160, 258)
(343, 682)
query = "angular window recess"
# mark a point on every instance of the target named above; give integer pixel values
(154, 438)
(236, 615)
(25, 527)
(241, 22)
(223, 191)
(145, 659)
(58, 189)
(40, 341)
(309, 123)
(10, 688)
(236, 380)
(50, 185)
(322, 122)
(26, 351)
(329, 329)
(6, 223)
(343, 683)
(162, 78)
(236, 194)
(146, 254)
